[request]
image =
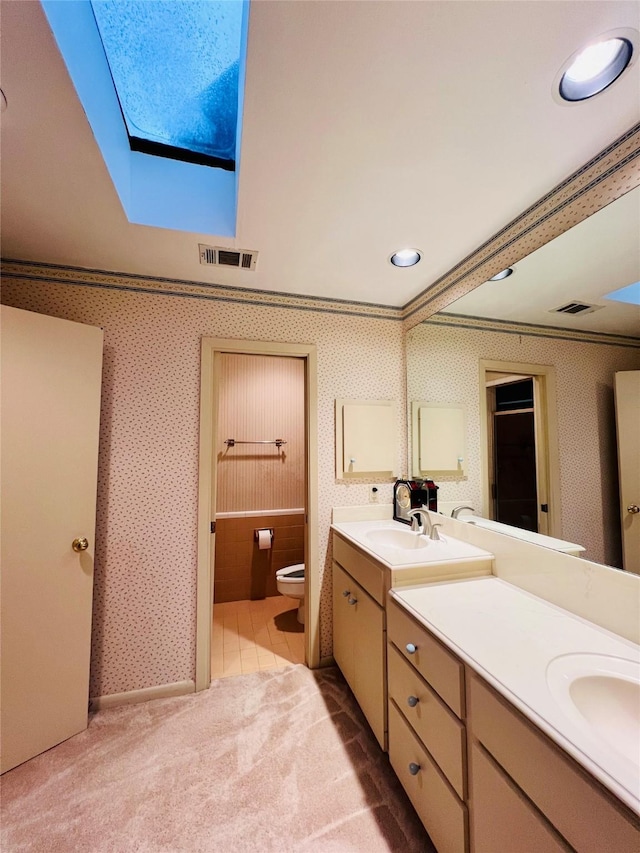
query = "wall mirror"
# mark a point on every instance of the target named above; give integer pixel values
(516, 321)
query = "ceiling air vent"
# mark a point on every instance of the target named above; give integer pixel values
(218, 256)
(576, 308)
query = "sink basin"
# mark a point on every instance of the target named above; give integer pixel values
(601, 694)
(405, 539)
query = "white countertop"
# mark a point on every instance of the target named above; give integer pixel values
(447, 550)
(509, 637)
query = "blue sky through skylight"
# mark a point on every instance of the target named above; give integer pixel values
(174, 64)
(161, 191)
(630, 293)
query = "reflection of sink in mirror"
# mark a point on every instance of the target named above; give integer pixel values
(389, 538)
(601, 694)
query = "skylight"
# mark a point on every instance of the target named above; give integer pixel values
(630, 294)
(200, 46)
(175, 70)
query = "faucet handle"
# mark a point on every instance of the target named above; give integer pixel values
(434, 532)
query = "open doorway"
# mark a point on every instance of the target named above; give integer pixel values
(260, 513)
(234, 474)
(519, 446)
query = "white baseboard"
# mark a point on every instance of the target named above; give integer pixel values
(145, 694)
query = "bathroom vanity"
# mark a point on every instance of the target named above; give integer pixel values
(365, 568)
(508, 717)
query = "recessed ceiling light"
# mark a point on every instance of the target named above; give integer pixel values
(595, 67)
(405, 258)
(500, 275)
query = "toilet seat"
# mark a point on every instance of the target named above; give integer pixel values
(291, 574)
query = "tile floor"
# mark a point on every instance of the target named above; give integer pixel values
(252, 635)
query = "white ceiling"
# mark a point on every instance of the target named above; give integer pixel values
(368, 127)
(599, 255)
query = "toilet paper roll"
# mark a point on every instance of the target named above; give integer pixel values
(264, 539)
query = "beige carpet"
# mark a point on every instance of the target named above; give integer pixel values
(279, 760)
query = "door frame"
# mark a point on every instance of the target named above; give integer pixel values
(546, 428)
(207, 492)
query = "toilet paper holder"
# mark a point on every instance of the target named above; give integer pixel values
(264, 537)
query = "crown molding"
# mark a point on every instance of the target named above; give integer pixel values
(608, 176)
(484, 324)
(37, 272)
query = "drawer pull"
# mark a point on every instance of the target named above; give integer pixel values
(412, 701)
(411, 648)
(346, 593)
(352, 600)
(414, 769)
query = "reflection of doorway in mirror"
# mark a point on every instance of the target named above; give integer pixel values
(519, 446)
(627, 399)
(512, 451)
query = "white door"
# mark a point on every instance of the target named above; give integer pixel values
(627, 392)
(51, 374)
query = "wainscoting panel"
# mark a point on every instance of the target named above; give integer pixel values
(261, 398)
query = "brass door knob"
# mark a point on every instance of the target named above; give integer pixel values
(80, 544)
(633, 509)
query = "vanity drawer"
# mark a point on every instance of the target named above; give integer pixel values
(437, 727)
(443, 671)
(366, 572)
(439, 809)
(587, 816)
(501, 816)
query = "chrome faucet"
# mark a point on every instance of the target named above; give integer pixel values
(456, 512)
(420, 518)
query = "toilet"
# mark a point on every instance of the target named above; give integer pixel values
(290, 581)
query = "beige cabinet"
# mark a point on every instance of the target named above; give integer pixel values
(534, 782)
(359, 633)
(366, 438)
(427, 736)
(482, 777)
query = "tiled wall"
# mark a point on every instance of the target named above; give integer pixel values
(443, 365)
(242, 570)
(145, 576)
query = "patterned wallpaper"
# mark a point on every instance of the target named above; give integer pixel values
(442, 365)
(145, 585)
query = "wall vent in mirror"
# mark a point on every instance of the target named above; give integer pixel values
(244, 259)
(576, 308)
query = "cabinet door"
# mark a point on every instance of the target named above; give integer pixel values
(343, 622)
(369, 671)
(502, 818)
(359, 640)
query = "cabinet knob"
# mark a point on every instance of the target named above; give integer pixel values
(411, 648)
(412, 701)
(414, 769)
(80, 544)
(346, 593)
(352, 600)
